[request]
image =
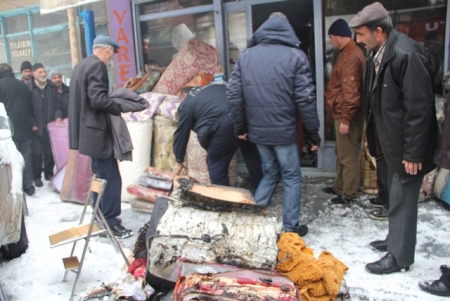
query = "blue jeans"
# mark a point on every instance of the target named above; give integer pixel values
(281, 161)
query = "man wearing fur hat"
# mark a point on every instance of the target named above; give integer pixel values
(344, 101)
(401, 126)
(46, 108)
(56, 77)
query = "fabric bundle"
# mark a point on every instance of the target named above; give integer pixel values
(317, 279)
(151, 184)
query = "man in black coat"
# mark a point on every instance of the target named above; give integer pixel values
(46, 108)
(17, 100)
(270, 88)
(401, 126)
(89, 129)
(205, 111)
(56, 77)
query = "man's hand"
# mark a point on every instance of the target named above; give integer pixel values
(343, 129)
(243, 136)
(58, 120)
(178, 169)
(34, 128)
(314, 147)
(412, 168)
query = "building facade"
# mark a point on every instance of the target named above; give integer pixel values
(153, 31)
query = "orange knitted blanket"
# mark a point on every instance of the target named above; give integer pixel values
(317, 279)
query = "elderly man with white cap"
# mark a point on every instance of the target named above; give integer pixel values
(56, 77)
(401, 126)
(89, 129)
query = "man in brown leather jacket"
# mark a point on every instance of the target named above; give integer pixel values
(344, 101)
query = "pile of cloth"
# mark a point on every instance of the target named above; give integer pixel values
(151, 184)
(317, 279)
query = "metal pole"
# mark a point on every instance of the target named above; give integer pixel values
(74, 52)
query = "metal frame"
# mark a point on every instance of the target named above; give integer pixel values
(98, 186)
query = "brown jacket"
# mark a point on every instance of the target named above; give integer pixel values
(344, 91)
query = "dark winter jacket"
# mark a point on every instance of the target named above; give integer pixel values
(46, 104)
(128, 102)
(400, 108)
(89, 106)
(201, 111)
(271, 87)
(17, 100)
(64, 100)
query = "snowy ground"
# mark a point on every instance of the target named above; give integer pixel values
(343, 230)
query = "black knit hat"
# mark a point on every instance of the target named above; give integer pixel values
(25, 65)
(340, 28)
(37, 66)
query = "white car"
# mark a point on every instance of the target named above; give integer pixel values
(13, 235)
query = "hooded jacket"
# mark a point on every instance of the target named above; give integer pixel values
(271, 87)
(17, 100)
(399, 106)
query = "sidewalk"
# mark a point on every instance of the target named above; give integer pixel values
(343, 230)
(346, 231)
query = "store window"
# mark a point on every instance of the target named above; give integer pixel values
(2, 51)
(20, 49)
(53, 48)
(17, 24)
(422, 20)
(49, 19)
(157, 6)
(163, 38)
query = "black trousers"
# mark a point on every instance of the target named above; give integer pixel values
(223, 146)
(108, 169)
(42, 150)
(24, 147)
(382, 181)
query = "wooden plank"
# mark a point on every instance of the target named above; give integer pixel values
(73, 234)
(71, 263)
(96, 185)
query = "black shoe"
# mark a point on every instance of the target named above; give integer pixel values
(385, 265)
(302, 230)
(48, 177)
(445, 269)
(341, 200)
(329, 190)
(38, 183)
(376, 202)
(435, 287)
(380, 245)
(31, 191)
(379, 214)
(120, 231)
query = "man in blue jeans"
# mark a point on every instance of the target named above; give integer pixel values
(271, 87)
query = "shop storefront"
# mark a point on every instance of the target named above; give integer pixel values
(163, 27)
(26, 35)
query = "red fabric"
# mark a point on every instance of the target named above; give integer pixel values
(137, 268)
(194, 57)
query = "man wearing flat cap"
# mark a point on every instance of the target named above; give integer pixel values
(401, 126)
(89, 129)
(343, 99)
(46, 108)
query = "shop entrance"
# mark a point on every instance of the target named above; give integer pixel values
(242, 20)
